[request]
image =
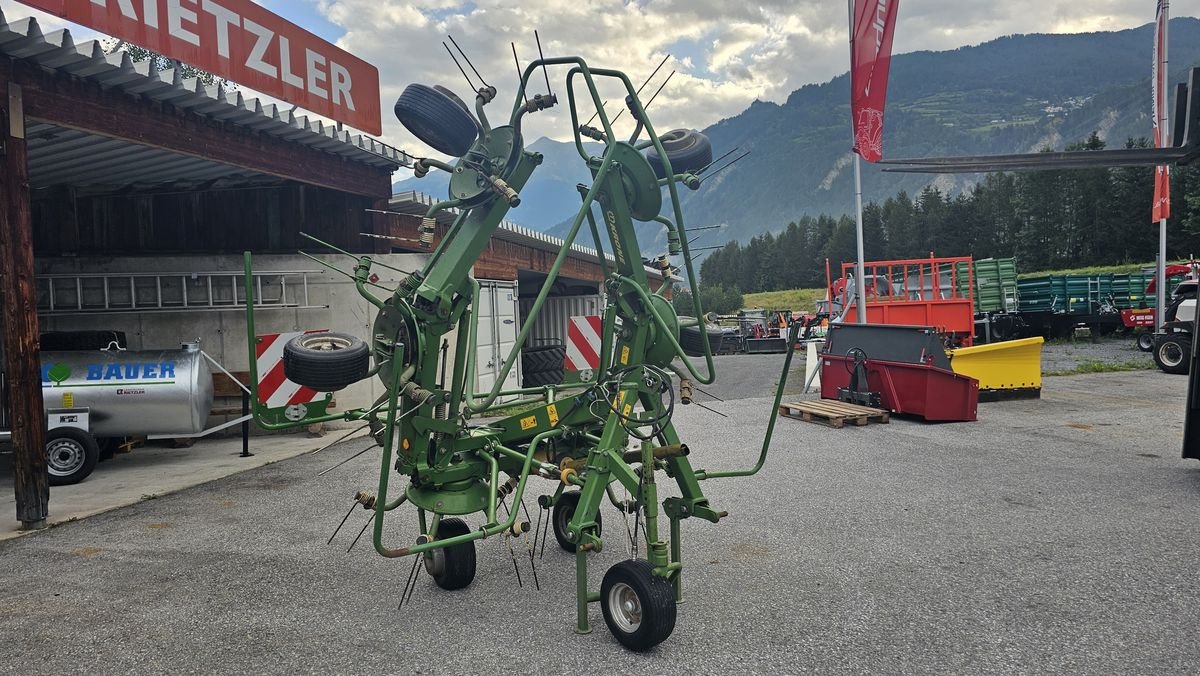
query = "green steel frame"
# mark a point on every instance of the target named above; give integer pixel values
(579, 434)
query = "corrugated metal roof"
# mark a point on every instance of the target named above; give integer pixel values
(57, 51)
(417, 203)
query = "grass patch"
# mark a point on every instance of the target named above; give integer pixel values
(1099, 366)
(804, 300)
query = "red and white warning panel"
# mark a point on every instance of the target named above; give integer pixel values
(274, 389)
(583, 343)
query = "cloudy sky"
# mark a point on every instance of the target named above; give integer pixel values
(725, 53)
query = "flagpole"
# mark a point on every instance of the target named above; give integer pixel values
(860, 285)
(1160, 295)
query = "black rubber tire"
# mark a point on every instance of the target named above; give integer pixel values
(438, 120)
(543, 378)
(687, 149)
(453, 97)
(71, 455)
(691, 338)
(655, 597)
(453, 567)
(1145, 341)
(327, 361)
(1166, 357)
(543, 358)
(563, 511)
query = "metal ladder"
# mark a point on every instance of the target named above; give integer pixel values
(125, 292)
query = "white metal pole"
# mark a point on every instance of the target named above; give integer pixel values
(1164, 131)
(860, 282)
(860, 298)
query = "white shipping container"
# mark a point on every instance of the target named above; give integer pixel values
(550, 328)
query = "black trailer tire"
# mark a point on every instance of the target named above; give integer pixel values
(438, 120)
(639, 607)
(687, 150)
(543, 378)
(71, 455)
(543, 358)
(691, 338)
(1145, 341)
(564, 511)
(453, 567)
(1173, 353)
(327, 361)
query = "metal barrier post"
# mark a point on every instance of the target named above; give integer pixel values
(245, 426)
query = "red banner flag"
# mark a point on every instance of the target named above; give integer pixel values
(1162, 175)
(870, 57)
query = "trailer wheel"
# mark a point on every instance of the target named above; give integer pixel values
(1145, 341)
(71, 455)
(686, 149)
(439, 121)
(325, 361)
(1173, 353)
(639, 607)
(564, 511)
(453, 567)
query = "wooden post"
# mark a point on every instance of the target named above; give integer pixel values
(22, 364)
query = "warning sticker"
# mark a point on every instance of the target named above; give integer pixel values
(625, 354)
(552, 410)
(68, 400)
(529, 422)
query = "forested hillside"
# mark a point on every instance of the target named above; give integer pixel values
(1046, 219)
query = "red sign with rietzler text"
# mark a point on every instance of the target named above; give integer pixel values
(241, 41)
(874, 21)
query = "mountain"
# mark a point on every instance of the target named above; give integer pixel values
(1013, 94)
(548, 197)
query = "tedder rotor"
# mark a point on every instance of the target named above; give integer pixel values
(615, 431)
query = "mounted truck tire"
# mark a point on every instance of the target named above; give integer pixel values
(326, 362)
(71, 455)
(691, 338)
(686, 149)
(639, 607)
(442, 123)
(543, 358)
(1145, 341)
(564, 511)
(1173, 353)
(453, 567)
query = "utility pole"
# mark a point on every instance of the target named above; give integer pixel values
(21, 360)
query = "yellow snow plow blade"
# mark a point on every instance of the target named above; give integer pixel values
(1008, 370)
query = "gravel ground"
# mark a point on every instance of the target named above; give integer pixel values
(1065, 355)
(1052, 535)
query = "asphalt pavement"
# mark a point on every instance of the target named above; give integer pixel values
(1052, 535)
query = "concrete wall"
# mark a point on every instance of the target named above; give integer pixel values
(223, 333)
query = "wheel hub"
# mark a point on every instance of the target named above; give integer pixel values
(625, 607)
(64, 457)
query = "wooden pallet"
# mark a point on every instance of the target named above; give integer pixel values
(834, 413)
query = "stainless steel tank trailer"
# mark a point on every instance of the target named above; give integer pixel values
(613, 432)
(94, 398)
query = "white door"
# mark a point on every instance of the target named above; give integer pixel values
(496, 310)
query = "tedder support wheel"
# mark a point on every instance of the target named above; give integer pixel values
(688, 150)
(1145, 341)
(326, 361)
(638, 606)
(564, 511)
(71, 455)
(1173, 352)
(442, 123)
(452, 567)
